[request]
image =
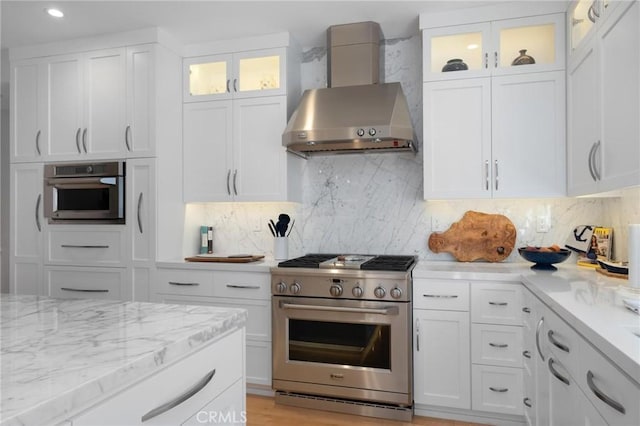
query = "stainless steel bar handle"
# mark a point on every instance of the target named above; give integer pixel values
(180, 398)
(486, 59)
(497, 175)
(556, 374)
(84, 139)
(248, 287)
(235, 179)
(595, 164)
(38, 201)
(590, 162)
(538, 328)
(526, 310)
(498, 303)
(228, 184)
(526, 354)
(385, 311)
(602, 396)
(527, 402)
(441, 296)
(127, 135)
(228, 82)
(486, 175)
(83, 246)
(235, 84)
(499, 390)
(78, 140)
(186, 284)
(84, 290)
(495, 59)
(498, 345)
(556, 343)
(418, 335)
(38, 142)
(139, 213)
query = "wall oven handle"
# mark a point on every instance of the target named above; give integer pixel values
(98, 181)
(84, 246)
(78, 140)
(384, 311)
(179, 399)
(84, 290)
(602, 396)
(441, 296)
(139, 213)
(556, 343)
(38, 201)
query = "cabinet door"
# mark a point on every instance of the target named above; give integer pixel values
(581, 18)
(563, 395)
(141, 204)
(139, 137)
(528, 135)
(26, 237)
(207, 78)
(457, 139)
(65, 108)
(207, 151)
(583, 122)
(104, 82)
(260, 166)
(441, 358)
(28, 111)
(259, 73)
(619, 153)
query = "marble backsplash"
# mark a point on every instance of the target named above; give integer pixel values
(374, 203)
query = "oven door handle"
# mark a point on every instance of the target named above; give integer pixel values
(102, 182)
(392, 310)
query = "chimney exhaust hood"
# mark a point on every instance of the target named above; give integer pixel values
(356, 112)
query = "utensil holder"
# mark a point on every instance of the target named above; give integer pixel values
(281, 248)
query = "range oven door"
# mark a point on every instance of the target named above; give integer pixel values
(344, 343)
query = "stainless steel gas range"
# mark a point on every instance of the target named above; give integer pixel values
(342, 333)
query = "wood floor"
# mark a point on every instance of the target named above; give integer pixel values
(262, 411)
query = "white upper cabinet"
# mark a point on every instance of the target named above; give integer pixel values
(509, 46)
(604, 103)
(239, 75)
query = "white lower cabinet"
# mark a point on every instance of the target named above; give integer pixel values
(204, 388)
(441, 347)
(246, 290)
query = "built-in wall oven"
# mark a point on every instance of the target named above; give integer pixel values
(342, 335)
(85, 192)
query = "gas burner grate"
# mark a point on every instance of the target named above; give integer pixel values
(306, 261)
(389, 263)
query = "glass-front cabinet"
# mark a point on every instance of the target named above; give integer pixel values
(582, 18)
(238, 75)
(510, 46)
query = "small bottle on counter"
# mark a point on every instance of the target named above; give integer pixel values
(203, 239)
(210, 240)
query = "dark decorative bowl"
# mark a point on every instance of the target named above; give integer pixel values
(544, 260)
(455, 65)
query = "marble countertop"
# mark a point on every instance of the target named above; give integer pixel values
(59, 355)
(589, 302)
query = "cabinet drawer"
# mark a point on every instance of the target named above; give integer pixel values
(565, 344)
(82, 247)
(497, 389)
(608, 389)
(224, 358)
(496, 345)
(245, 285)
(84, 283)
(445, 295)
(494, 303)
(184, 282)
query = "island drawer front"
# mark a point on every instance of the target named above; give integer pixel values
(611, 384)
(228, 408)
(84, 283)
(500, 345)
(83, 247)
(443, 295)
(497, 389)
(496, 303)
(245, 285)
(184, 282)
(128, 406)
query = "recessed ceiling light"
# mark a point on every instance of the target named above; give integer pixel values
(56, 13)
(472, 46)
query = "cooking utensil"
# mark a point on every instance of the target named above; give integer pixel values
(273, 231)
(291, 229)
(283, 224)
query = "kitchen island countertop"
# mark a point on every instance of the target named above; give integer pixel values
(60, 355)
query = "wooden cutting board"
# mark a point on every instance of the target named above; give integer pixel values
(477, 236)
(224, 259)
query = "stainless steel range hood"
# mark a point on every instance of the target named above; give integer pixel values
(356, 113)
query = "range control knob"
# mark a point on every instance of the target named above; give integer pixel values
(372, 132)
(379, 292)
(294, 288)
(396, 293)
(360, 132)
(335, 290)
(357, 292)
(281, 287)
